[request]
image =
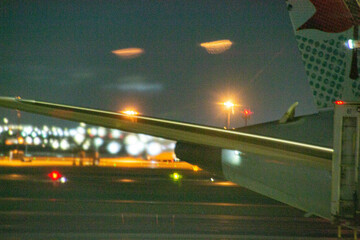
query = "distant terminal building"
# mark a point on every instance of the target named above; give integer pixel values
(47, 140)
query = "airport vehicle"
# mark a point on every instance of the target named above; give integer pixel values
(309, 162)
(163, 157)
(16, 154)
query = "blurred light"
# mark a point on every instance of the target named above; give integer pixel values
(33, 134)
(171, 146)
(37, 130)
(131, 139)
(351, 44)
(72, 132)
(128, 53)
(43, 134)
(145, 138)
(217, 47)
(101, 132)
(225, 184)
(66, 133)
(135, 149)
(116, 133)
(1, 129)
(81, 130)
(247, 112)
(28, 140)
(339, 102)
(233, 157)
(176, 176)
(211, 179)
(229, 104)
(79, 138)
(153, 148)
(82, 124)
(63, 180)
(5, 120)
(98, 142)
(130, 112)
(28, 130)
(55, 144)
(86, 145)
(45, 128)
(113, 147)
(93, 131)
(54, 175)
(11, 132)
(196, 168)
(126, 180)
(64, 144)
(60, 132)
(20, 140)
(37, 141)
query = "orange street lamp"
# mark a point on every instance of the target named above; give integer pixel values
(229, 104)
(131, 114)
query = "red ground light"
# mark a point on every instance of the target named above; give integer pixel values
(339, 102)
(54, 175)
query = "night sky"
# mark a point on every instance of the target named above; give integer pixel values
(61, 51)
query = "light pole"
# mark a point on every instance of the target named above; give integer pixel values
(230, 109)
(246, 113)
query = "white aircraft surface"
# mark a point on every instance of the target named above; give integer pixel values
(289, 160)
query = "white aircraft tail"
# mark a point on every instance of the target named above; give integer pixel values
(326, 30)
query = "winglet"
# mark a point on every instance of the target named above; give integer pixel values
(290, 113)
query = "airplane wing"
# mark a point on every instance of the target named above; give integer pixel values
(173, 130)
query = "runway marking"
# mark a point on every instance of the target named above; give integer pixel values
(95, 235)
(148, 202)
(157, 215)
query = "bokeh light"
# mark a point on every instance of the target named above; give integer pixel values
(217, 47)
(128, 53)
